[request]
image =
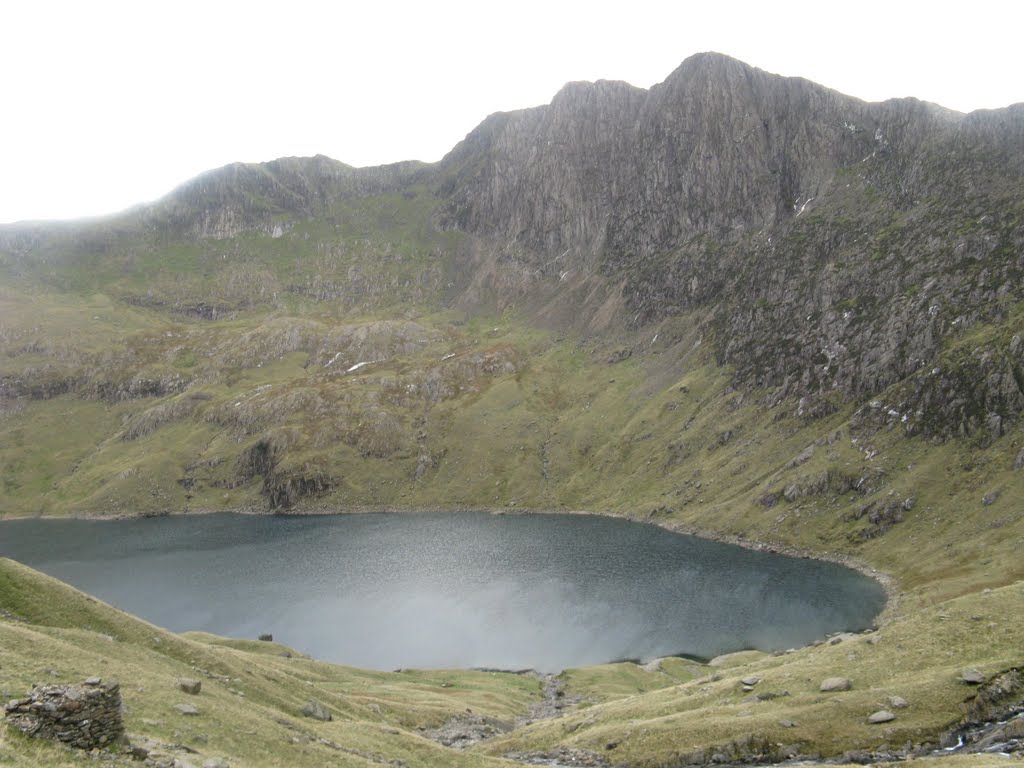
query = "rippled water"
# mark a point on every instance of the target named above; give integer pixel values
(451, 589)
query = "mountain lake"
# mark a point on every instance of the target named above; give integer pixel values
(466, 589)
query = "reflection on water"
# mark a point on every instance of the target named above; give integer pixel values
(450, 589)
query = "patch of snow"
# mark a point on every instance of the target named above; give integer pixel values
(449, 356)
(357, 366)
(333, 360)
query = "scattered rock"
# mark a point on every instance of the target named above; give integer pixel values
(317, 711)
(553, 702)
(858, 757)
(189, 710)
(836, 684)
(138, 752)
(881, 716)
(464, 731)
(972, 677)
(898, 702)
(990, 498)
(1018, 463)
(751, 680)
(188, 685)
(769, 695)
(560, 756)
(216, 762)
(163, 760)
(788, 723)
(92, 681)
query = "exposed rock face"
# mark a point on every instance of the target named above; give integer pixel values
(718, 146)
(85, 717)
(853, 238)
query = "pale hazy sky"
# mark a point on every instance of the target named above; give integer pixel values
(107, 104)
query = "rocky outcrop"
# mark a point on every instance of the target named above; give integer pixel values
(86, 716)
(283, 485)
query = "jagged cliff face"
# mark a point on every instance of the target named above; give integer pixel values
(832, 245)
(826, 250)
(719, 149)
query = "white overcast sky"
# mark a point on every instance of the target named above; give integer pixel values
(107, 104)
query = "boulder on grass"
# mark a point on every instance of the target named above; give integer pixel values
(830, 684)
(317, 711)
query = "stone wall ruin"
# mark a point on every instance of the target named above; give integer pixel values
(86, 716)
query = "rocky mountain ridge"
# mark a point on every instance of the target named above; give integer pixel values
(825, 251)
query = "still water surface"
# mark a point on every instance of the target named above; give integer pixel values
(450, 589)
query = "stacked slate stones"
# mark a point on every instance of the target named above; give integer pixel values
(86, 716)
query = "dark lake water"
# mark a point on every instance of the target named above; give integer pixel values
(451, 589)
